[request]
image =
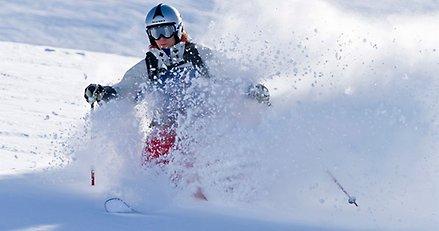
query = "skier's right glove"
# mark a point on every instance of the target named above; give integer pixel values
(260, 93)
(95, 93)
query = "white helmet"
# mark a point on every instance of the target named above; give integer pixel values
(164, 14)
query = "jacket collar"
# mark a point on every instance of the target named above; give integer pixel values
(175, 56)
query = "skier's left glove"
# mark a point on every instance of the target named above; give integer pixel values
(260, 93)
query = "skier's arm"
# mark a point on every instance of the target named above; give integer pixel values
(133, 82)
(255, 91)
(129, 86)
(205, 54)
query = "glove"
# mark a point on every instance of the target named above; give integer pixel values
(95, 93)
(260, 93)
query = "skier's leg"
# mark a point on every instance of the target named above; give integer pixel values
(158, 144)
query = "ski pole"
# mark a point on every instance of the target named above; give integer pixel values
(92, 171)
(351, 200)
(92, 176)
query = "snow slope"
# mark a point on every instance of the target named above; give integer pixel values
(41, 120)
(354, 92)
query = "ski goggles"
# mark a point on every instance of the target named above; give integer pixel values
(165, 31)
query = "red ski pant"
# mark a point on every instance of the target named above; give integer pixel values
(158, 145)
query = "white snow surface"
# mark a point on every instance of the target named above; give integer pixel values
(354, 91)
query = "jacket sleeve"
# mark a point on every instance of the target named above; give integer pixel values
(133, 82)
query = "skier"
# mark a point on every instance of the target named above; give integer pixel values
(171, 62)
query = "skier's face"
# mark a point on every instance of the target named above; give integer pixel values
(163, 42)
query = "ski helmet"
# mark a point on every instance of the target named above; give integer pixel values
(161, 15)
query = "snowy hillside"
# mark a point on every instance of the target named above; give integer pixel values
(43, 119)
(354, 91)
(104, 26)
(41, 88)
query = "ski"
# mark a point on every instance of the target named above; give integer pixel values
(117, 205)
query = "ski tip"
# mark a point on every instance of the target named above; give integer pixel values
(117, 205)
